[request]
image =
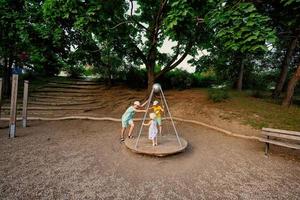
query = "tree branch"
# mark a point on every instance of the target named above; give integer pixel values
(155, 30)
(139, 52)
(175, 56)
(134, 20)
(169, 67)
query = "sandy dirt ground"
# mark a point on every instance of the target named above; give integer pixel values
(84, 160)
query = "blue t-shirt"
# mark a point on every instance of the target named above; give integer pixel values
(129, 114)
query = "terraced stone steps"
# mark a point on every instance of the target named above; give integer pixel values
(56, 98)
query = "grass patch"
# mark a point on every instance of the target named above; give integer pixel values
(218, 95)
(262, 112)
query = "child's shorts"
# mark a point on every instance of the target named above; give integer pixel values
(158, 119)
(126, 122)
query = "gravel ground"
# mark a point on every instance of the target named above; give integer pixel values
(84, 160)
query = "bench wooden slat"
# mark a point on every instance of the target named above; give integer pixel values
(293, 146)
(279, 135)
(281, 131)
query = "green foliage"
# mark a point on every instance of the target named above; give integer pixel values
(29, 75)
(179, 79)
(289, 2)
(180, 12)
(54, 34)
(204, 79)
(75, 71)
(218, 95)
(88, 72)
(240, 27)
(136, 78)
(175, 79)
(257, 94)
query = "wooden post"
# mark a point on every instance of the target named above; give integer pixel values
(13, 106)
(267, 147)
(25, 100)
(0, 96)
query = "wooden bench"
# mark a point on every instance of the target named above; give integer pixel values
(290, 139)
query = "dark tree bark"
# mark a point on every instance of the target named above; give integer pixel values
(6, 76)
(285, 68)
(109, 80)
(291, 87)
(241, 75)
(150, 76)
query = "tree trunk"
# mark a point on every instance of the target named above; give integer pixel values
(241, 75)
(291, 87)
(109, 81)
(7, 76)
(151, 76)
(284, 68)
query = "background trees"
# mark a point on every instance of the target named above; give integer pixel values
(241, 31)
(247, 44)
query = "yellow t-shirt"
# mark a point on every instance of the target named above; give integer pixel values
(157, 110)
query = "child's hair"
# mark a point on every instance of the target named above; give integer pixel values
(152, 115)
(155, 103)
(136, 103)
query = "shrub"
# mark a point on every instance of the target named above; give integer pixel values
(177, 78)
(75, 71)
(257, 94)
(136, 78)
(88, 72)
(218, 95)
(29, 75)
(203, 79)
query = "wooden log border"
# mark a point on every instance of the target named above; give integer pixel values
(139, 119)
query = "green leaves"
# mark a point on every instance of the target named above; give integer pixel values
(180, 12)
(240, 27)
(289, 2)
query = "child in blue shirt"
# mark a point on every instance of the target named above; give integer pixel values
(127, 118)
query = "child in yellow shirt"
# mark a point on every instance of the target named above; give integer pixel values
(158, 110)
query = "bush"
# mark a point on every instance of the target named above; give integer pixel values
(75, 71)
(218, 95)
(180, 79)
(136, 78)
(29, 75)
(177, 78)
(257, 94)
(203, 79)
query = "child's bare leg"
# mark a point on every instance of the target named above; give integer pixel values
(130, 129)
(155, 140)
(122, 132)
(160, 129)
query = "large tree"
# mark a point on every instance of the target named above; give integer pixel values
(241, 31)
(93, 35)
(151, 23)
(291, 87)
(285, 15)
(11, 25)
(27, 40)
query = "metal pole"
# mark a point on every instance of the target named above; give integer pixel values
(171, 117)
(25, 101)
(13, 106)
(165, 115)
(0, 96)
(144, 118)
